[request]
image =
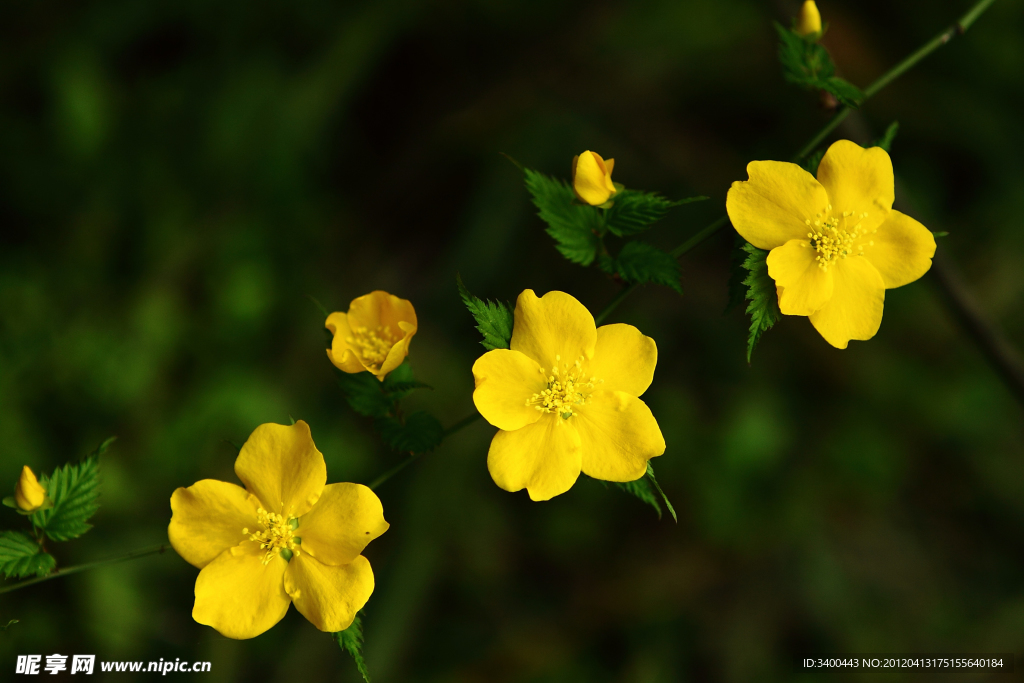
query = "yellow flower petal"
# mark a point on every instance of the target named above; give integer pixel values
(543, 458)
(773, 207)
(207, 518)
(858, 181)
(343, 521)
(618, 435)
(340, 354)
(804, 287)
(855, 309)
(505, 381)
(29, 494)
(281, 466)
(809, 20)
(592, 178)
(239, 595)
(624, 359)
(554, 329)
(902, 250)
(329, 596)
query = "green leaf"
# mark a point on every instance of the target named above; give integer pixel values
(885, 142)
(419, 433)
(75, 492)
(737, 290)
(9, 624)
(640, 262)
(102, 448)
(633, 211)
(351, 641)
(646, 488)
(21, 556)
(364, 393)
(762, 295)
(10, 502)
(847, 93)
(400, 382)
(494, 320)
(574, 226)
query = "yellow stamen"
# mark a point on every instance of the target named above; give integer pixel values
(372, 346)
(835, 238)
(277, 536)
(568, 388)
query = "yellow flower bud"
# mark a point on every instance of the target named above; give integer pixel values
(592, 178)
(808, 22)
(30, 495)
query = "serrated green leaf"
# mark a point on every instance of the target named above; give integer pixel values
(804, 63)
(420, 432)
(737, 290)
(885, 142)
(847, 93)
(401, 381)
(641, 262)
(21, 556)
(364, 393)
(75, 492)
(494, 320)
(633, 212)
(646, 488)
(762, 295)
(351, 641)
(575, 227)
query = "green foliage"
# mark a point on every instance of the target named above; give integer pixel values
(885, 142)
(75, 492)
(351, 641)
(575, 227)
(21, 555)
(646, 488)
(370, 397)
(640, 262)
(494, 320)
(633, 212)
(807, 64)
(9, 624)
(761, 293)
(417, 433)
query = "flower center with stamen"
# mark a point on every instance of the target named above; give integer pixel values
(835, 237)
(371, 346)
(568, 388)
(277, 537)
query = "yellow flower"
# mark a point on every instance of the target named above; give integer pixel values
(374, 335)
(29, 493)
(836, 244)
(592, 178)
(808, 22)
(565, 399)
(285, 537)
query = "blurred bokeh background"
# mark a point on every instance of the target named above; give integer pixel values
(177, 177)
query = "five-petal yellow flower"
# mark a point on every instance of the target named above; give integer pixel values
(286, 537)
(565, 399)
(592, 178)
(374, 335)
(836, 243)
(29, 493)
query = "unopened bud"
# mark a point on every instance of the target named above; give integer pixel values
(808, 22)
(29, 494)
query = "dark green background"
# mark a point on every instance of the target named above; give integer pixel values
(177, 177)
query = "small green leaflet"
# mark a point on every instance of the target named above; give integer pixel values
(575, 227)
(9, 624)
(75, 492)
(646, 488)
(494, 320)
(420, 432)
(885, 142)
(351, 641)
(761, 293)
(639, 262)
(807, 64)
(368, 396)
(633, 212)
(21, 556)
